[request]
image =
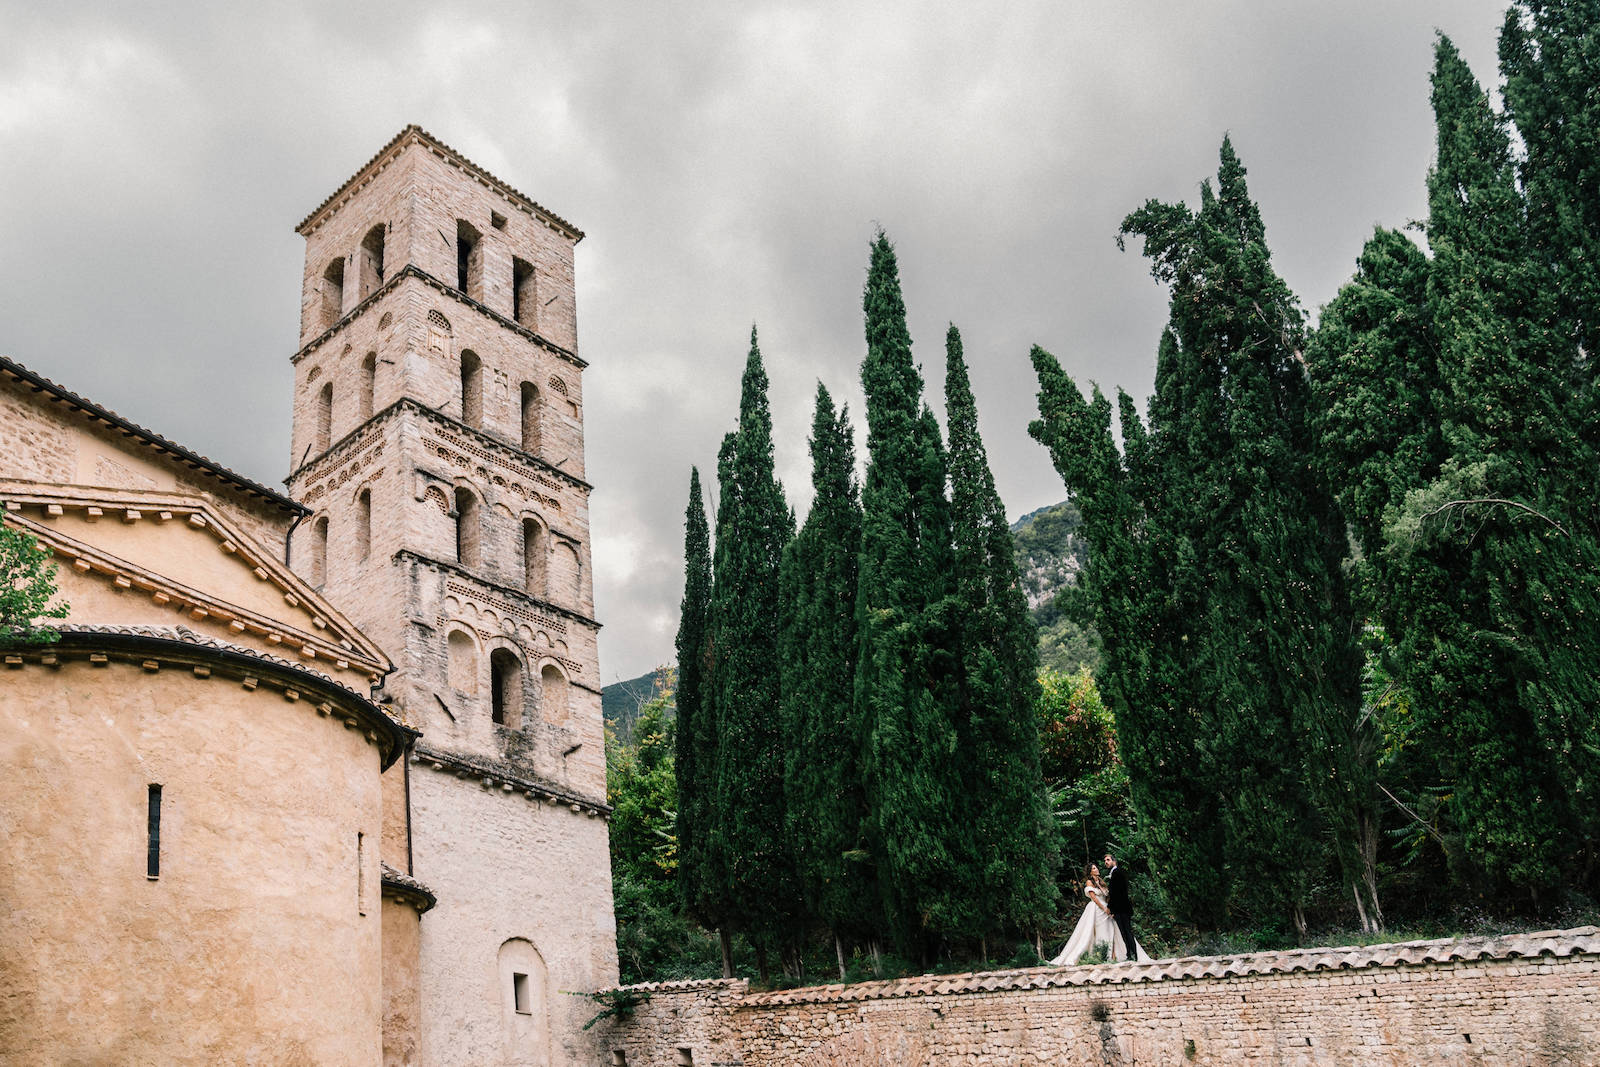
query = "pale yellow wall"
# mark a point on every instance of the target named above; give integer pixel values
(252, 945)
(402, 989)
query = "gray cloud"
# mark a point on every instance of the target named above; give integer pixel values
(729, 162)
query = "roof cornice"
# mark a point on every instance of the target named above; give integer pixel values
(416, 135)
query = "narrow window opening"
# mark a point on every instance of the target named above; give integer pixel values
(324, 418)
(364, 524)
(319, 552)
(505, 672)
(333, 292)
(619, 1058)
(519, 993)
(469, 260)
(533, 558)
(468, 533)
(369, 383)
(463, 662)
(553, 695)
(361, 873)
(685, 1057)
(524, 294)
(530, 418)
(372, 261)
(471, 389)
(152, 862)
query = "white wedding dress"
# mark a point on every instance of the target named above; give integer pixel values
(1095, 927)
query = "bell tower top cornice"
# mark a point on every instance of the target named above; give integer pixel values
(414, 135)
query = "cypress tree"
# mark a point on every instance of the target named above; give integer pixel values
(906, 665)
(750, 860)
(1011, 822)
(692, 734)
(1252, 667)
(823, 789)
(1493, 570)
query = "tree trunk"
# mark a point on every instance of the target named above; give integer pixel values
(761, 963)
(838, 950)
(727, 951)
(877, 958)
(983, 949)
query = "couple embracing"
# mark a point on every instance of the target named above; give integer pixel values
(1107, 919)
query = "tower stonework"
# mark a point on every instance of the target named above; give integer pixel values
(438, 441)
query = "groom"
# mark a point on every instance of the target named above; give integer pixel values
(1121, 905)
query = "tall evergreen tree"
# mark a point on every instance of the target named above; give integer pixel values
(906, 666)
(693, 734)
(750, 860)
(1014, 834)
(823, 788)
(1493, 574)
(1246, 652)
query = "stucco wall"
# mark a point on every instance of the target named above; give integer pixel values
(259, 942)
(506, 866)
(1532, 999)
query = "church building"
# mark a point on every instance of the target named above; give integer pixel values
(319, 777)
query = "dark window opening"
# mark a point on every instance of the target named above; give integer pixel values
(519, 993)
(319, 552)
(468, 533)
(505, 702)
(324, 418)
(524, 295)
(685, 1056)
(369, 382)
(372, 261)
(497, 220)
(364, 524)
(333, 292)
(533, 558)
(471, 389)
(469, 260)
(530, 417)
(152, 863)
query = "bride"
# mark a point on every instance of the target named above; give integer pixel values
(1095, 927)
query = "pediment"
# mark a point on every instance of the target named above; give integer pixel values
(134, 557)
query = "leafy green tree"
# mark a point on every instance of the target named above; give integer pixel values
(750, 861)
(998, 684)
(695, 738)
(27, 585)
(907, 665)
(823, 787)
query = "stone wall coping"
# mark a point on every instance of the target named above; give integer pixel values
(1583, 940)
(416, 134)
(93, 412)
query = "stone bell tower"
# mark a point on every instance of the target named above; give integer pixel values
(438, 437)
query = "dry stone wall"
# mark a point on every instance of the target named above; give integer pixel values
(1527, 999)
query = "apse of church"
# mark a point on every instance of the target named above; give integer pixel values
(438, 441)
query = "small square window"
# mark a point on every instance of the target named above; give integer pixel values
(619, 1058)
(519, 992)
(497, 220)
(685, 1056)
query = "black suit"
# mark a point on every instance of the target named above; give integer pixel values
(1121, 906)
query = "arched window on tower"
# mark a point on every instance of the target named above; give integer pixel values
(531, 412)
(469, 528)
(462, 662)
(524, 293)
(372, 261)
(369, 384)
(319, 551)
(471, 389)
(469, 260)
(332, 292)
(553, 695)
(324, 419)
(505, 672)
(534, 552)
(364, 524)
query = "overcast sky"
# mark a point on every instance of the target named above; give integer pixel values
(729, 162)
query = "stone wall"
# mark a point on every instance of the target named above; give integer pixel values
(1526, 999)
